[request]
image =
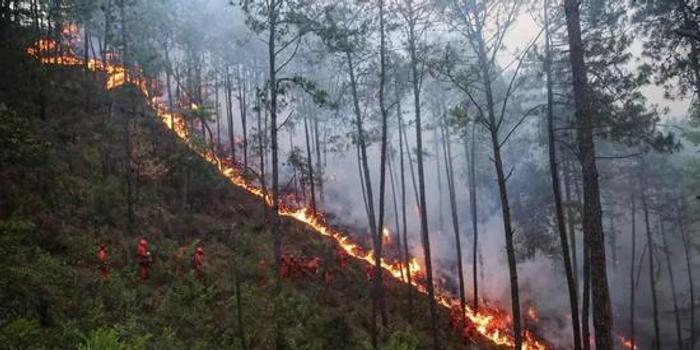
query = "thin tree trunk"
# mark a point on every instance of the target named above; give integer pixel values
(229, 115)
(242, 93)
(276, 239)
(362, 146)
(310, 164)
(414, 183)
(404, 229)
(425, 235)
(503, 191)
(676, 312)
(378, 277)
(556, 189)
(633, 254)
(368, 190)
(449, 172)
(650, 246)
(586, 303)
(438, 172)
(261, 150)
(470, 152)
(689, 268)
(362, 179)
(319, 165)
(397, 226)
(218, 115)
(592, 217)
(570, 219)
(168, 84)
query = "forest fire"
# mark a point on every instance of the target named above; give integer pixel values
(489, 322)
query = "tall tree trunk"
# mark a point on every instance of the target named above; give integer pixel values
(261, 151)
(425, 235)
(570, 218)
(310, 164)
(243, 100)
(168, 83)
(438, 172)
(672, 281)
(218, 114)
(319, 164)
(470, 152)
(633, 254)
(275, 229)
(414, 182)
(556, 189)
(586, 303)
(362, 146)
(449, 172)
(368, 189)
(229, 115)
(404, 226)
(689, 268)
(493, 127)
(592, 220)
(378, 234)
(650, 246)
(362, 179)
(397, 225)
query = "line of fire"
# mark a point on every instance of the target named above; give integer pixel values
(488, 322)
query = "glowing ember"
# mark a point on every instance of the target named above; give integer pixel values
(386, 236)
(532, 314)
(627, 343)
(489, 322)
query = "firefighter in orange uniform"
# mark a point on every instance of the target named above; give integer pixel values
(341, 258)
(284, 267)
(327, 277)
(102, 258)
(455, 317)
(145, 259)
(369, 272)
(198, 261)
(312, 266)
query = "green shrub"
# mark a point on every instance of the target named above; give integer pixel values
(19, 334)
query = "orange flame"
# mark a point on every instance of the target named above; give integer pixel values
(386, 236)
(532, 314)
(627, 343)
(491, 323)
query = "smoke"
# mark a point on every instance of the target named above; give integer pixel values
(540, 269)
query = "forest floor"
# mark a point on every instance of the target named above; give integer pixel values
(62, 169)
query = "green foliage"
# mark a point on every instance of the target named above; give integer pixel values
(104, 200)
(401, 340)
(17, 142)
(103, 339)
(19, 334)
(112, 339)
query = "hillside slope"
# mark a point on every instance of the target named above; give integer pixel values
(63, 169)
